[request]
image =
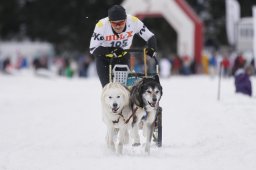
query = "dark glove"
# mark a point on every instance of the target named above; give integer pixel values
(150, 52)
(116, 53)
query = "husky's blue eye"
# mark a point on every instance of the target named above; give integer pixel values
(148, 91)
(157, 92)
(110, 97)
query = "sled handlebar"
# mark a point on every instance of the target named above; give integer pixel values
(137, 50)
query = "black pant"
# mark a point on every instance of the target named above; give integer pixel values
(102, 66)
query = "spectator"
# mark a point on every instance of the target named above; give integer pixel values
(68, 70)
(205, 63)
(165, 68)
(253, 66)
(226, 66)
(243, 83)
(238, 63)
(84, 62)
(36, 63)
(7, 67)
(213, 65)
(176, 65)
(186, 63)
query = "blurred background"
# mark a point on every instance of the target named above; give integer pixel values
(54, 35)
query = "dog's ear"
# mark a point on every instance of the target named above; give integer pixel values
(139, 98)
(140, 92)
(136, 95)
(143, 80)
(161, 89)
(156, 78)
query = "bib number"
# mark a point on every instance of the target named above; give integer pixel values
(122, 43)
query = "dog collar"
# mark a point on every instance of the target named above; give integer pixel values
(117, 121)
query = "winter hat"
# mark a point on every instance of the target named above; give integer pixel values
(116, 13)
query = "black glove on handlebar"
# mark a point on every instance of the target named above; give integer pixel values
(116, 53)
(150, 52)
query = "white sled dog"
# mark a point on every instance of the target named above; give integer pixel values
(144, 100)
(116, 114)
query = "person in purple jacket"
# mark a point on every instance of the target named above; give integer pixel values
(243, 83)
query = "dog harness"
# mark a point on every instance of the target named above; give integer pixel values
(117, 121)
(125, 121)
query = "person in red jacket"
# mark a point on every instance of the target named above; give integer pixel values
(226, 65)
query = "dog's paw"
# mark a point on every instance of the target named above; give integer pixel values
(111, 146)
(126, 138)
(147, 149)
(120, 149)
(136, 144)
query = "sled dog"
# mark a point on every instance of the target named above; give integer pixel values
(116, 114)
(144, 98)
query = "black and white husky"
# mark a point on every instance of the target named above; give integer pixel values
(116, 114)
(144, 102)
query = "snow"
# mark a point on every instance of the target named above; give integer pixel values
(55, 124)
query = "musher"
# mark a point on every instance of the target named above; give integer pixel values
(112, 35)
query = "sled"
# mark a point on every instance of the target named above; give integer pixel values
(122, 74)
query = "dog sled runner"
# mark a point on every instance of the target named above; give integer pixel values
(123, 74)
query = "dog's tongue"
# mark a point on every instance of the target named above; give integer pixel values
(114, 110)
(153, 104)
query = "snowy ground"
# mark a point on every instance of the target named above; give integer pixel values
(55, 124)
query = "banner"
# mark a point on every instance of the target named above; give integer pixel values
(254, 33)
(232, 18)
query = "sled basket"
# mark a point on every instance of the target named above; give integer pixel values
(121, 72)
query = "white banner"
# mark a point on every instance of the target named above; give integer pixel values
(254, 33)
(232, 18)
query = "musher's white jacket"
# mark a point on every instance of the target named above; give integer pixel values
(104, 36)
